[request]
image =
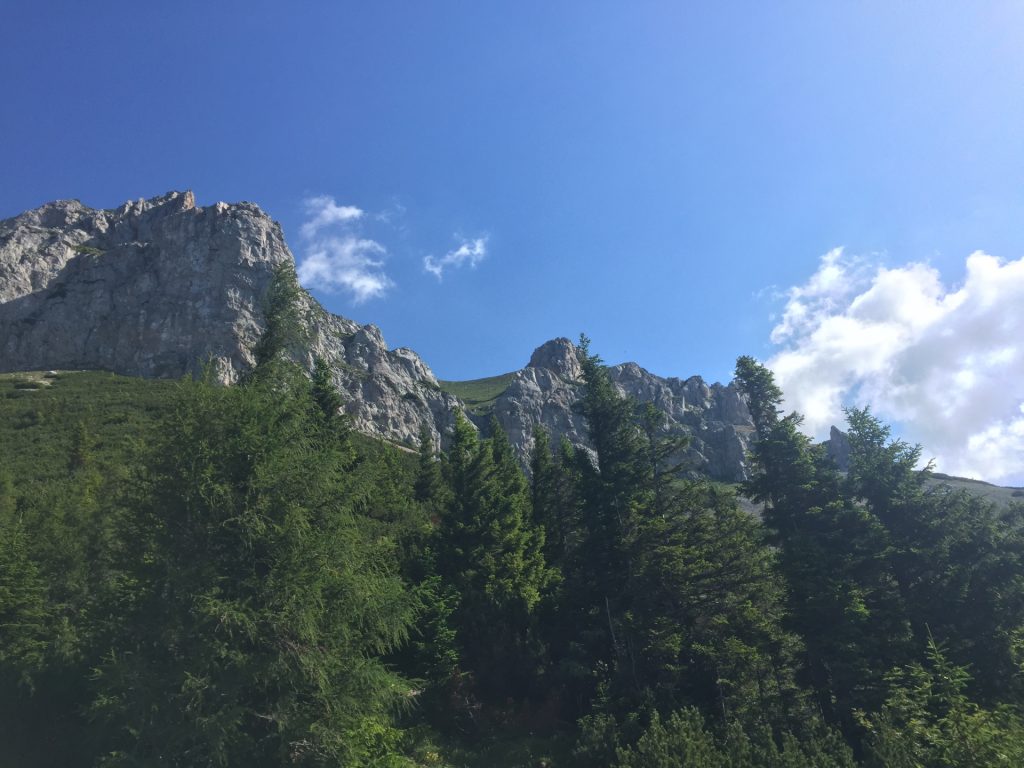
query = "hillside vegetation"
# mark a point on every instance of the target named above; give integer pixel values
(479, 394)
(199, 575)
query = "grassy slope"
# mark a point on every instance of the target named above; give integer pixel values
(43, 415)
(479, 394)
(997, 493)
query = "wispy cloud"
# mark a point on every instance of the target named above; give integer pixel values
(323, 211)
(336, 258)
(470, 252)
(942, 362)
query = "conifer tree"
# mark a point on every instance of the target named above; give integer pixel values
(492, 553)
(612, 492)
(327, 396)
(929, 720)
(834, 555)
(283, 331)
(958, 562)
(254, 604)
(25, 622)
(429, 486)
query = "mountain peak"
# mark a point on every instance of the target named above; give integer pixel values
(557, 355)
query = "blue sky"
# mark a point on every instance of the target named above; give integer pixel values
(667, 177)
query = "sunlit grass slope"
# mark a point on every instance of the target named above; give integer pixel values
(479, 394)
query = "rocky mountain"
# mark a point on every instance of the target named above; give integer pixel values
(162, 287)
(714, 417)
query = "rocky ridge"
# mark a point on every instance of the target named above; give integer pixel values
(714, 417)
(162, 287)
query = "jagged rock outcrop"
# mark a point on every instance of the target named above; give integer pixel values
(714, 417)
(161, 287)
(838, 448)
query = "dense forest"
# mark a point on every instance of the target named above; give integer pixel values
(197, 575)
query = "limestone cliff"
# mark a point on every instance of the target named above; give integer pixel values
(714, 417)
(162, 287)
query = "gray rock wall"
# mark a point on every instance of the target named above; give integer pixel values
(161, 287)
(713, 417)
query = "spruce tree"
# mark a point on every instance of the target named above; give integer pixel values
(492, 553)
(254, 604)
(429, 485)
(283, 331)
(25, 621)
(958, 561)
(612, 493)
(833, 554)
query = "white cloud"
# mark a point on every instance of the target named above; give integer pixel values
(346, 263)
(469, 252)
(323, 211)
(335, 257)
(944, 363)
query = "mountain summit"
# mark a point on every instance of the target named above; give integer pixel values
(160, 288)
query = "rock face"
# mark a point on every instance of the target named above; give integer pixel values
(161, 287)
(838, 448)
(714, 417)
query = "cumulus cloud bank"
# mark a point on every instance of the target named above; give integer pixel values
(945, 363)
(469, 252)
(336, 259)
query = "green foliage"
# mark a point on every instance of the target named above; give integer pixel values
(672, 589)
(88, 249)
(284, 332)
(325, 394)
(683, 741)
(708, 612)
(253, 601)
(957, 558)
(492, 554)
(24, 615)
(230, 576)
(928, 720)
(834, 554)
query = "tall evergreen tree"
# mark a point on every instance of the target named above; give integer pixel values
(327, 396)
(958, 562)
(492, 553)
(612, 490)
(283, 331)
(834, 555)
(429, 486)
(25, 621)
(254, 604)
(677, 585)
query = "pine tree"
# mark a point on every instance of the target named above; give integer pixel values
(283, 332)
(958, 561)
(429, 486)
(327, 396)
(708, 612)
(928, 720)
(677, 597)
(492, 553)
(612, 494)
(833, 554)
(25, 622)
(254, 604)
